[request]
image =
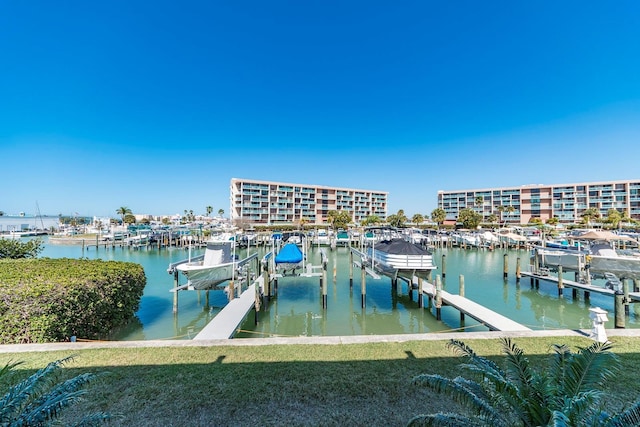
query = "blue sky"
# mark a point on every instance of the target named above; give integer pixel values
(156, 105)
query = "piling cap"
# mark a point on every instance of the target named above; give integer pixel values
(598, 310)
(598, 314)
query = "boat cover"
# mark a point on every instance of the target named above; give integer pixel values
(400, 247)
(290, 253)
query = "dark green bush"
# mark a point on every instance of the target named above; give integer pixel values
(48, 300)
(14, 249)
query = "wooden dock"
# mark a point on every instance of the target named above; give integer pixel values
(483, 315)
(225, 324)
(633, 296)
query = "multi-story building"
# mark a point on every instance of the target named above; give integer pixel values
(273, 203)
(567, 202)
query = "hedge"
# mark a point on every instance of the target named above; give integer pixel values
(50, 300)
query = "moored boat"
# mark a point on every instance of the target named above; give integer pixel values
(289, 257)
(217, 265)
(397, 256)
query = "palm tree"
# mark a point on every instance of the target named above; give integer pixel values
(568, 393)
(122, 211)
(438, 216)
(589, 214)
(479, 202)
(209, 210)
(220, 212)
(40, 399)
(417, 219)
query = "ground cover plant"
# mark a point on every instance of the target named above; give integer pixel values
(368, 384)
(45, 300)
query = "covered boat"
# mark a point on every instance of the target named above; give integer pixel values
(399, 256)
(289, 257)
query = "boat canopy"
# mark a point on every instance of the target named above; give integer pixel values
(400, 247)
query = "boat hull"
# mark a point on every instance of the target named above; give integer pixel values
(205, 277)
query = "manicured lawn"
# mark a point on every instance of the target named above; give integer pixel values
(293, 385)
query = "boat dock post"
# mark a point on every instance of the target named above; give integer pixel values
(518, 270)
(444, 265)
(560, 284)
(323, 280)
(461, 293)
(438, 298)
(363, 286)
(505, 267)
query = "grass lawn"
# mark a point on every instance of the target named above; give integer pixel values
(294, 385)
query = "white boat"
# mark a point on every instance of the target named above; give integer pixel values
(397, 256)
(216, 266)
(600, 255)
(343, 238)
(322, 237)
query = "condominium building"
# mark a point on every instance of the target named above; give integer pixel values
(567, 202)
(274, 203)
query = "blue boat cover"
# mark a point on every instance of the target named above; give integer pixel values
(290, 253)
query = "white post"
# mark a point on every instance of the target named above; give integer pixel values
(599, 317)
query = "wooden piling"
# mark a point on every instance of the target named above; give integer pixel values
(420, 296)
(505, 266)
(363, 286)
(444, 265)
(619, 310)
(560, 284)
(461, 293)
(518, 270)
(625, 290)
(175, 293)
(351, 269)
(438, 298)
(324, 287)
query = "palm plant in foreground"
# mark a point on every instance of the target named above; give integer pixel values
(39, 399)
(568, 393)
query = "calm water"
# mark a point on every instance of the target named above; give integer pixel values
(297, 309)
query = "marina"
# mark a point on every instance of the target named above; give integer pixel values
(300, 306)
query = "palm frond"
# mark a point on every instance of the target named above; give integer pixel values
(48, 406)
(590, 368)
(581, 409)
(21, 394)
(559, 419)
(8, 367)
(457, 389)
(629, 417)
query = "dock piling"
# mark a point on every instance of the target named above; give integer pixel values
(444, 265)
(461, 293)
(363, 286)
(619, 310)
(505, 267)
(560, 284)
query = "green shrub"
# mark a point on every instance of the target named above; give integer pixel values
(14, 249)
(48, 300)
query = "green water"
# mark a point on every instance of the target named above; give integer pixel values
(297, 309)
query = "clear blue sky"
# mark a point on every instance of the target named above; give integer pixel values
(156, 105)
